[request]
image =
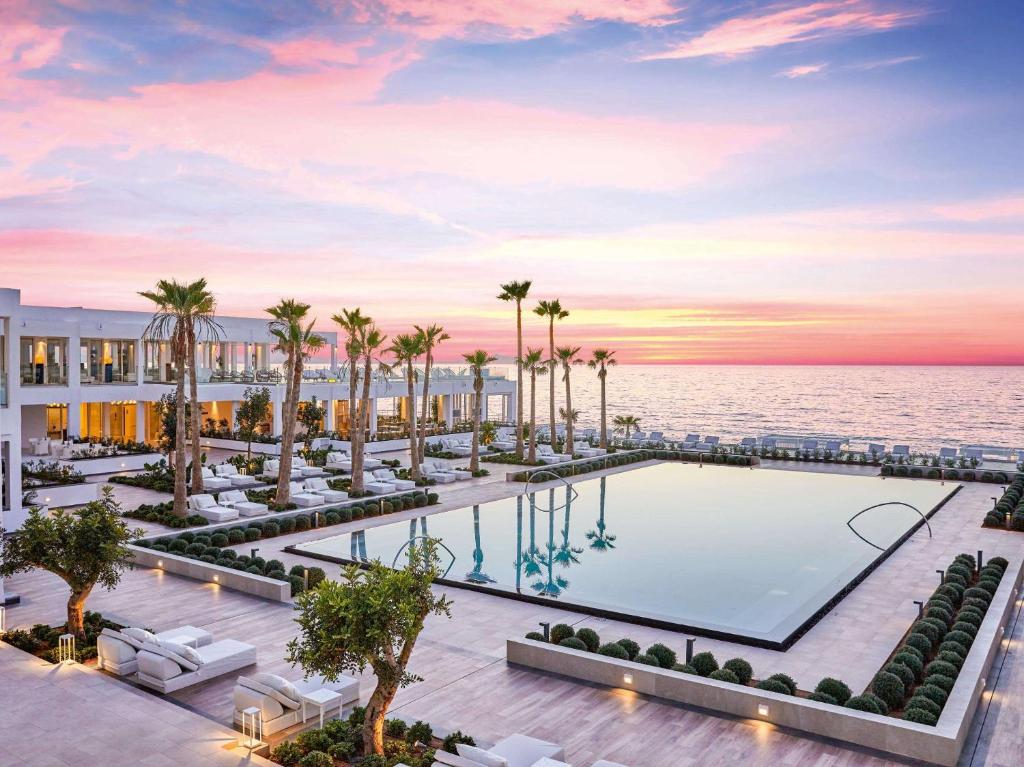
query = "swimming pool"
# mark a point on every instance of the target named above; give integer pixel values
(750, 556)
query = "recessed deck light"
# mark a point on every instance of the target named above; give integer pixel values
(762, 709)
(627, 679)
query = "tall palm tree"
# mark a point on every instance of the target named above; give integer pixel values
(173, 301)
(553, 311)
(567, 357)
(534, 364)
(517, 291)
(600, 539)
(406, 348)
(601, 360)
(626, 424)
(370, 344)
(433, 336)
(296, 341)
(200, 324)
(354, 323)
(477, 361)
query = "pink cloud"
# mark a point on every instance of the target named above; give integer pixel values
(803, 70)
(432, 19)
(784, 25)
(983, 210)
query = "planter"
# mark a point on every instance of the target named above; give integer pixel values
(226, 577)
(388, 445)
(258, 448)
(940, 744)
(111, 464)
(59, 496)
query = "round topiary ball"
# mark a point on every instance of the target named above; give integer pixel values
(882, 706)
(933, 693)
(536, 636)
(773, 685)
(787, 680)
(933, 633)
(913, 651)
(921, 702)
(960, 637)
(939, 680)
(590, 638)
(724, 675)
(821, 697)
(561, 631)
(939, 613)
(889, 688)
(834, 688)
(647, 660)
(704, 662)
(685, 668)
(919, 642)
(665, 655)
(920, 716)
(942, 667)
(573, 643)
(632, 648)
(910, 661)
(862, 703)
(613, 650)
(905, 674)
(743, 670)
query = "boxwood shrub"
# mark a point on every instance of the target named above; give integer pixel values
(923, 703)
(773, 685)
(666, 656)
(743, 670)
(573, 643)
(562, 631)
(590, 638)
(786, 680)
(724, 675)
(905, 674)
(647, 660)
(613, 650)
(834, 688)
(920, 716)
(704, 662)
(889, 688)
(863, 703)
(632, 648)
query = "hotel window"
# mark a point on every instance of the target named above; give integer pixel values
(57, 421)
(107, 361)
(44, 361)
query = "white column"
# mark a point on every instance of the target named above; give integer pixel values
(161, 362)
(277, 406)
(140, 362)
(510, 407)
(105, 407)
(247, 353)
(334, 356)
(446, 409)
(373, 416)
(234, 409)
(140, 421)
(483, 406)
(329, 417)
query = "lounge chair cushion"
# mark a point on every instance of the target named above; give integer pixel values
(278, 688)
(188, 653)
(203, 501)
(157, 666)
(453, 760)
(168, 650)
(246, 696)
(523, 751)
(141, 636)
(114, 649)
(481, 756)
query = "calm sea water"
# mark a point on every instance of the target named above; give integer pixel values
(927, 407)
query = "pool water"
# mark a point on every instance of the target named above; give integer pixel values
(750, 556)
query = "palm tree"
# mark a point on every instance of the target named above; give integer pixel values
(626, 424)
(477, 361)
(433, 336)
(354, 323)
(199, 323)
(517, 291)
(601, 360)
(296, 341)
(600, 539)
(370, 343)
(406, 347)
(553, 311)
(534, 364)
(567, 357)
(174, 301)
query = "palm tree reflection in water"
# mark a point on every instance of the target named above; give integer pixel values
(554, 584)
(477, 575)
(600, 539)
(358, 550)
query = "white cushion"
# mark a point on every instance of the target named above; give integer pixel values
(139, 635)
(486, 758)
(159, 648)
(158, 667)
(278, 684)
(317, 484)
(208, 473)
(188, 653)
(203, 501)
(114, 649)
(246, 697)
(443, 757)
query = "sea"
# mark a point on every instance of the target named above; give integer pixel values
(925, 407)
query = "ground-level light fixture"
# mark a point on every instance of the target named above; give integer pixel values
(252, 727)
(3, 619)
(627, 678)
(66, 648)
(762, 709)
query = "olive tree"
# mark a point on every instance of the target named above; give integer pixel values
(83, 547)
(252, 411)
(370, 617)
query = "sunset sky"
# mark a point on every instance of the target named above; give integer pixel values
(831, 181)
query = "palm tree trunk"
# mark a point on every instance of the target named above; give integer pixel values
(289, 412)
(353, 377)
(364, 424)
(553, 366)
(414, 449)
(478, 388)
(604, 415)
(532, 456)
(193, 395)
(519, 380)
(568, 414)
(181, 426)
(421, 446)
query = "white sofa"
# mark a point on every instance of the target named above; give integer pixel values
(230, 472)
(239, 501)
(305, 469)
(167, 666)
(272, 467)
(117, 651)
(376, 486)
(437, 472)
(388, 475)
(547, 456)
(280, 701)
(339, 462)
(212, 482)
(298, 495)
(584, 449)
(457, 447)
(513, 751)
(207, 507)
(319, 486)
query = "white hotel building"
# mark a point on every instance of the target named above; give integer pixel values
(88, 373)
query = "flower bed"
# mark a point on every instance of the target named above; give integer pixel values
(919, 676)
(157, 476)
(41, 640)
(38, 474)
(340, 743)
(1009, 509)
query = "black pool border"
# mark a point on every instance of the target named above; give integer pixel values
(658, 623)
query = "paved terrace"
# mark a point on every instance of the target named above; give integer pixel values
(469, 686)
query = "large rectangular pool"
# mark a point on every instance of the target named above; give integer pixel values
(750, 556)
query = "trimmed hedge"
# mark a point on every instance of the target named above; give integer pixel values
(623, 458)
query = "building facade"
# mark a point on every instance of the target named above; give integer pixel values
(74, 373)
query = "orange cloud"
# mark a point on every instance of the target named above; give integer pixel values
(793, 24)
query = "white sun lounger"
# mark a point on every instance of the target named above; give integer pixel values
(339, 462)
(513, 751)
(947, 453)
(901, 451)
(833, 445)
(437, 473)
(239, 501)
(207, 507)
(387, 475)
(273, 466)
(280, 701)
(212, 482)
(117, 651)
(230, 471)
(584, 449)
(548, 456)
(305, 469)
(298, 495)
(376, 486)
(875, 449)
(319, 486)
(164, 668)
